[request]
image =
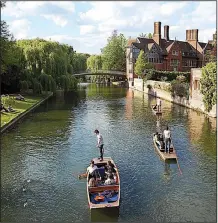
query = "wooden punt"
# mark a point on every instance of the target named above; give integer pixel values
(155, 111)
(165, 156)
(114, 201)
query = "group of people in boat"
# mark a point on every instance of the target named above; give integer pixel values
(108, 178)
(163, 140)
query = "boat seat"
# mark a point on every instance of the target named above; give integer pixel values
(113, 199)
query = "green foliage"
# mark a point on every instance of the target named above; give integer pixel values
(94, 63)
(142, 64)
(168, 75)
(208, 85)
(24, 86)
(114, 53)
(37, 87)
(179, 88)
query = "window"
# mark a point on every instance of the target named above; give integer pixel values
(185, 63)
(174, 52)
(174, 62)
(149, 60)
(196, 85)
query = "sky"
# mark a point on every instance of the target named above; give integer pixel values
(86, 25)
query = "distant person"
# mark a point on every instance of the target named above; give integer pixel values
(158, 104)
(100, 143)
(110, 180)
(10, 109)
(167, 139)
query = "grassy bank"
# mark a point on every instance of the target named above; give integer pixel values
(19, 106)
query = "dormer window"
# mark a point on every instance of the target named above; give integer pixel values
(175, 53)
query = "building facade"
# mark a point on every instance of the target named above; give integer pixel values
(166, 54)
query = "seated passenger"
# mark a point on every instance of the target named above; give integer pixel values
(110, 180)
(109, 168)
(156, 138)
(161, 140)
(92, 170)
(92, 182)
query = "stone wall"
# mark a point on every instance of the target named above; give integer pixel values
(196, 104)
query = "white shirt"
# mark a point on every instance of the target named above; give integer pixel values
(158, 101)
(91, 169)
(100, 139)
(109, 181)
(166, 134)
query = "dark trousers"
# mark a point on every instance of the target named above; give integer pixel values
(101, 150)
(167, 144)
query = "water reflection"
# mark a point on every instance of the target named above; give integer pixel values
(105, 215)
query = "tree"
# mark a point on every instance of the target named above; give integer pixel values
(142, 64)
(208, 85)
(142, 35)
(150, 36)
(94, 63)
(114, 53)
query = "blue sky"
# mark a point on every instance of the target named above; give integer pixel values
(87, 25)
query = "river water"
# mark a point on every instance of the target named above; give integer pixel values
(56, 143)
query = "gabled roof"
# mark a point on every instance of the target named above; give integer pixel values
(150, 45)
(130, 41)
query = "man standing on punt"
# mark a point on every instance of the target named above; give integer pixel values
(100, 143)
(167, 139)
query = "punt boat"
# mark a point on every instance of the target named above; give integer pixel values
(155, 110)
(165, 156)
(104, 196)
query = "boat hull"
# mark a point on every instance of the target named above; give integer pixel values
(165, 156)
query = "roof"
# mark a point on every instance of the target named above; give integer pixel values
(130, 41)
(166, 45)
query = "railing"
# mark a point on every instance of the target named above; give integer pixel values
(101, 72)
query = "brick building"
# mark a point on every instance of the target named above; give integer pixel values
(166, 54)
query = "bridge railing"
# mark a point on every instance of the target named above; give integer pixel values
(101, 72)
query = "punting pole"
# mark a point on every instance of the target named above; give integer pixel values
(178, 166)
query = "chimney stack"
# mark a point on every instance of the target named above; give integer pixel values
(157, 32)
(192, 35)
(166, 33)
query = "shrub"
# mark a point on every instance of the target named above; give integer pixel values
(179, 89)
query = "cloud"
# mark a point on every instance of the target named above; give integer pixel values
(31, 8)
(20, 9)
(85, 29)
(57, 19)
(66, 5)
(20, 28)
(170, 8)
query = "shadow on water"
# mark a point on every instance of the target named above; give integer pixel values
(105, 215)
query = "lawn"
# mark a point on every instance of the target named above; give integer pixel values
(19, 106)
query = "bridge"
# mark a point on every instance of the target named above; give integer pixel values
(102, 72)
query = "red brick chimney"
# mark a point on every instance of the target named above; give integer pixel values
(166, 33)
(157, 32)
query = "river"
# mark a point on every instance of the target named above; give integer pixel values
(56, 143)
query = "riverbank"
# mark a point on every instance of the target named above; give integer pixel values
(195, 103)
(22, 108)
